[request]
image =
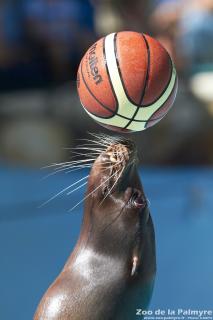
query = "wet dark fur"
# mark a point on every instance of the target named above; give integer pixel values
(111, 271)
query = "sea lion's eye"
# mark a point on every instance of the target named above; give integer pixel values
(105, 191)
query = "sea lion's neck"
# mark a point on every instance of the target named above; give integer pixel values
(92, 251)
(103, 239)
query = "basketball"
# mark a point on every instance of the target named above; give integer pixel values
(127, 81)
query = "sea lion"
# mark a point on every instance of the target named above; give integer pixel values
(111, 271)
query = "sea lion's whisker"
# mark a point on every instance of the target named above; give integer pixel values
(73, 165)
(121, 172)
(104, 182)
(74, 168)
(92, 149)
(54, 165)
(112, 165)
(83, 184)
(87, 155)
(92, 145)
(62, 191)
(108, 193)
(79, 168)
(100, 143)
(53, 173)
(98, 151)
(104, 140)
(107, 139)
(100, 136)
(92, 152)
(70, 167)
(77, 162)
(83, 154)
(67, 163)
(87, 196)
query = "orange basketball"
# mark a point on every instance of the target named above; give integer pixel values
(127, 81)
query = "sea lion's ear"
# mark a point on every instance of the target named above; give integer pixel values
(135, 264)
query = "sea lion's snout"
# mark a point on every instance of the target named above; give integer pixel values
(115, 170)
(118, 157)
(115, 162)
(118, 152)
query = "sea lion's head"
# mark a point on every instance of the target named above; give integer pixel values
(116, 205)
(114, 179)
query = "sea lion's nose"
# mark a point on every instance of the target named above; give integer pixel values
(117, 153)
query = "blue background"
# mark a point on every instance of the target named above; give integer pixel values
(35, 243)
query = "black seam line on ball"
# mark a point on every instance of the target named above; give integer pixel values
(105, 107)
(120, 73)
(107, 70)
(155, 119)
(121, 116)
(147, 71)
(145, 84)
(166, 87)
(164, 90)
